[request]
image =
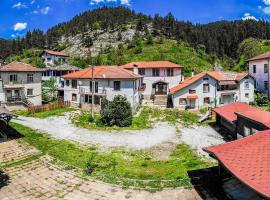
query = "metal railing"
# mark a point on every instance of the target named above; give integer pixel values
(96, 92)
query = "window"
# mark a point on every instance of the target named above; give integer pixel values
(182, 101)
(170, 72)
(206, 88)
(266, 85)
(206, 100)
(117, 85)
(30, 78)
(247, 95)
(141, 71)
(74, 84)
(13, 78)
(246, 85)
(74, 97)
(155, 72)
(192, 91)
(96, 86)
(67, 83)
(88, 99)
(30, 92)
(247, 131)
(205, 78)
(254, 69)
(265, 68)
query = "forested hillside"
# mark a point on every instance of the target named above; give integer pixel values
(221, 39)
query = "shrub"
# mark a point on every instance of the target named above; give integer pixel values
(90, 165)
(261, 99)
(117, 112)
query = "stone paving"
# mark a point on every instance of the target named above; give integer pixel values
(13, 151)
(40, 180)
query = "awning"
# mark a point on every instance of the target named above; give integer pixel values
(193, 96)
(227, 93)
(248, 160)
(227, 83)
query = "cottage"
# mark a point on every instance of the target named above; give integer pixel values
(213, 88)
(244, 166)
(159, 76)
(109, 81)
(52, 58)
(20, 84)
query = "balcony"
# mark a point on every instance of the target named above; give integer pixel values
(14, 84)
(14, 99)
(101, 92)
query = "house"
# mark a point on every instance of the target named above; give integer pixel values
(57, 72)
(109, 81)
(52, 58)
(213, 88)
(20, 84)
(159, 76)
(241, 119)
(244, 166)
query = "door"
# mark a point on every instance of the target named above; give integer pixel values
(227, 99)
(192, 103)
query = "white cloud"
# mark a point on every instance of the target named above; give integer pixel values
(35, 12)
(33, 1)
(19, 5)
(248, 16)
(266, 10)
(123, 2)
(20, 26)
(266, 2)
(45, 10)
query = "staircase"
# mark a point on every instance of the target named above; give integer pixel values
(160, 100)
(27, 103)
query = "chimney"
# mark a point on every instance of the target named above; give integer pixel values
(192, 73)
(135, 69)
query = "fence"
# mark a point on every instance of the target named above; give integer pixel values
(48, 107)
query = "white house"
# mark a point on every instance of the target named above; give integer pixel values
(20, 84)
(159, 76)
(56, 72)
(52, 58)
(109, 81)
(215, 88)
(259, 69)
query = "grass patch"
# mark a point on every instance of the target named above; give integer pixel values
(143, 121)
(51, 113)
(112, 167)
(21, 162)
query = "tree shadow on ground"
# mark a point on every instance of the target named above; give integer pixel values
(4, 179)
(207, 183)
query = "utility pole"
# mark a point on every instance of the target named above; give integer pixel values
(93, 83)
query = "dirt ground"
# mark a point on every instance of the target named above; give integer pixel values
(38, 179)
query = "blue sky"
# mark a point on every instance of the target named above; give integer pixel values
(18, 16)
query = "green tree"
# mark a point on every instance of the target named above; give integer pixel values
(49, 90)
(117, 112)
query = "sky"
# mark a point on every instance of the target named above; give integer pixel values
(19, 16)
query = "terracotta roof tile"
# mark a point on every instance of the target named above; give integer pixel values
(103, 72)
(260, 116)
(228, 111)
(261, 57)
(248, 159)
(20, 67)
(152, 64)
(56, 53)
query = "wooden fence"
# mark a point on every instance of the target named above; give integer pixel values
(48, 107)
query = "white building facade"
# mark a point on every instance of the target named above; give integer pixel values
(20, 84)
(52, 58)
(159, 76)
(213, 88)
(109, 81)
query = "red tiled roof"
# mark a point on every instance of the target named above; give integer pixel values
(218, 75)
(260, 116)
(19, 67)
(152, 64)
(101, 72)
(228, 111)
(56, 53)
(187, 82)
(261, 57)
(248, 159)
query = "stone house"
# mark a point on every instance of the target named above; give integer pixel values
(213, 88)
(109, 81)
(20, 84)
(51, 58)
